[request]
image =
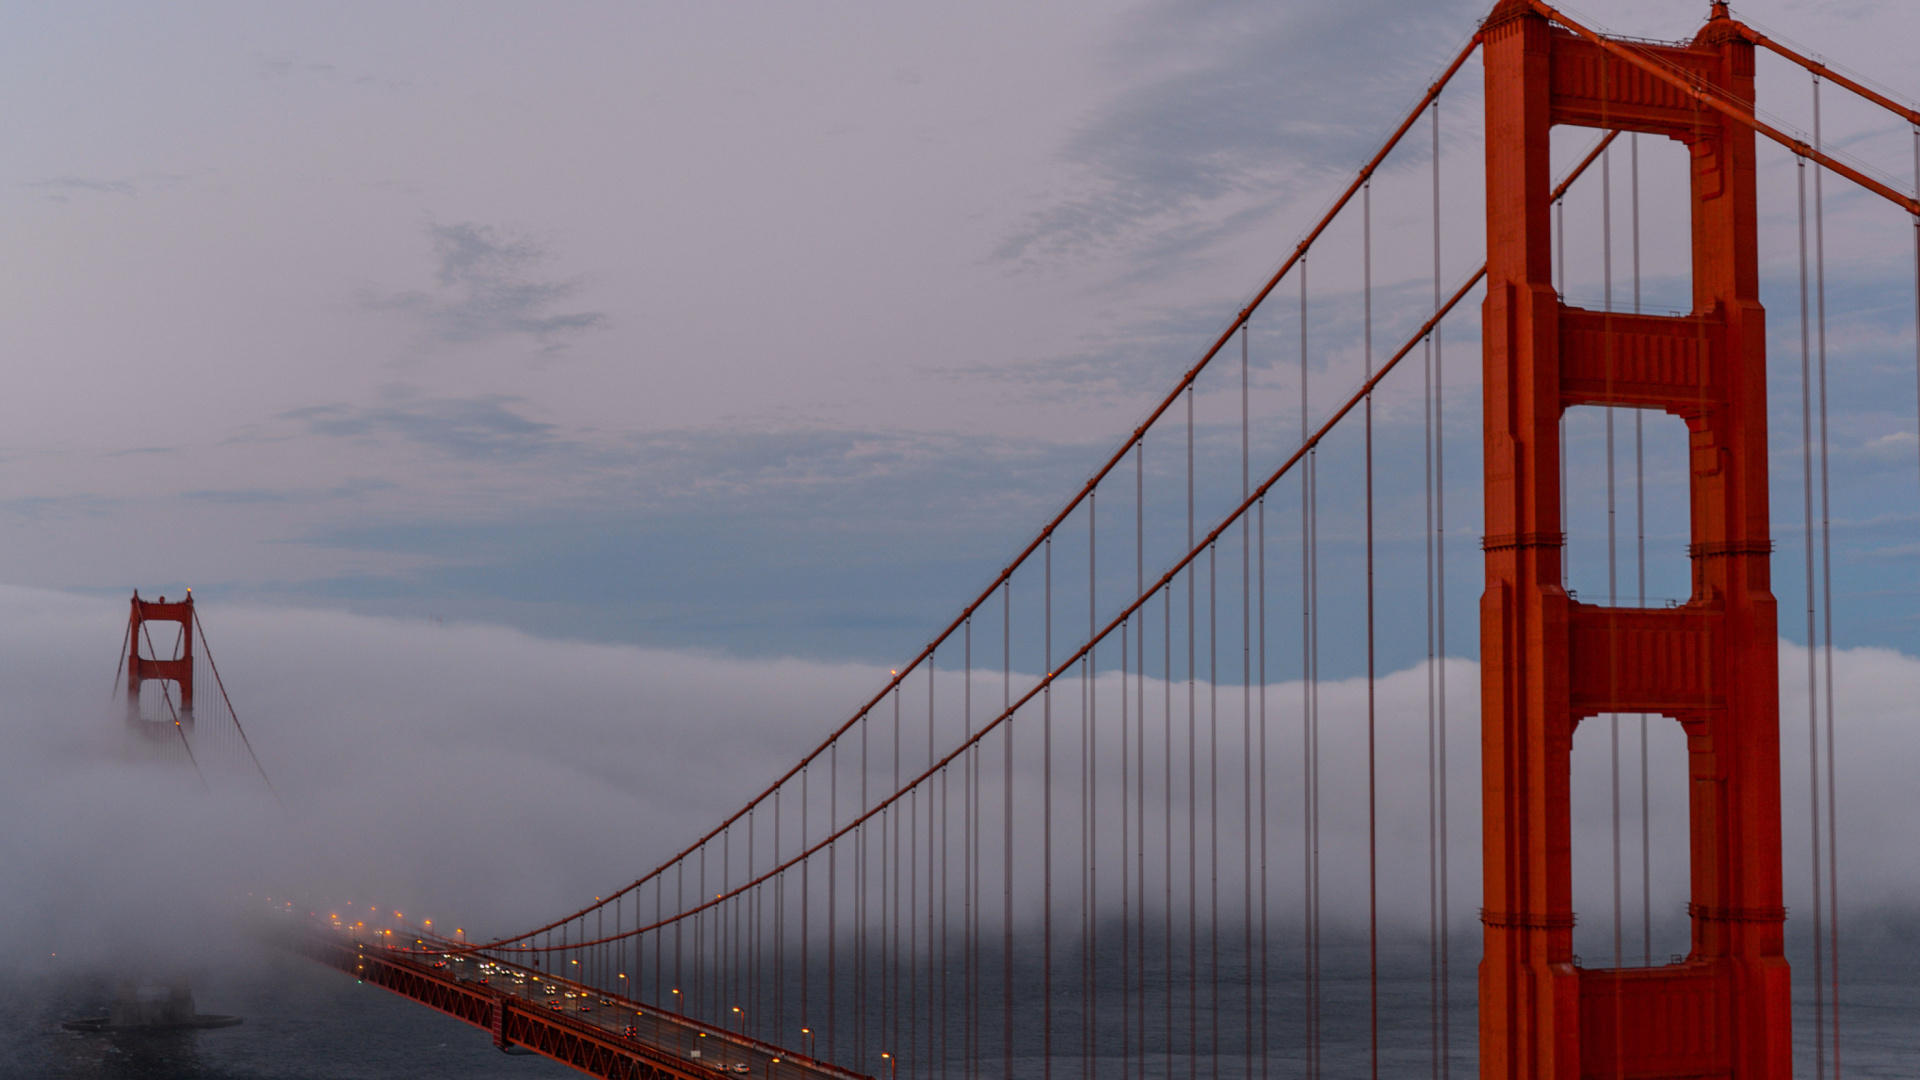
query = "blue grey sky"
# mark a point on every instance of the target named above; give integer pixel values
(771, 329)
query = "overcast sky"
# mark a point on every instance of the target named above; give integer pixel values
(772, 328)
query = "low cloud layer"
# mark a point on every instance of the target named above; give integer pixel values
(487, 779)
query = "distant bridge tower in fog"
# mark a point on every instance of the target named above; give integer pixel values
(164, 656)
(168, 658)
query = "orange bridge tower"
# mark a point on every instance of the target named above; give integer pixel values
(1547, 661)
(160, 663)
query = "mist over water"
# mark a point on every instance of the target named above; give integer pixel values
(489, 780)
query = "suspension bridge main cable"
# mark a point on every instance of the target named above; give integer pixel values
(1181, 566)
(1364, 174)
(221, 685)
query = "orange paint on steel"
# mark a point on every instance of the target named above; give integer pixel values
(1547, 661)
(142, 669)
(1646, 58)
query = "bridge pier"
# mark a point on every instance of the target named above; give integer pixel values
(1548, 662)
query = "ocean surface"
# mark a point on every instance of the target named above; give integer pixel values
(306, 1021)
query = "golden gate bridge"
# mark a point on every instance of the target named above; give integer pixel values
(1126, 862)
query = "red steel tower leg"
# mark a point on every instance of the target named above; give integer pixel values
(1547, 661)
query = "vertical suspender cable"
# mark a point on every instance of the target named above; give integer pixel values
(1213, 809)
(1613, 577)
(1440, 609)
(1246, 710)
(1373, 805)
(806, 922)
(931, 1027)
(1139, 733)
(1640, 557)
(1126, 851)
(861, 858)
(702, 983)
(1310, 765)
(970, 877)
(909, 1047)
(1193, 794)
(1826, 589)
(1433, 779)
(890, 904)
(1090, 849)
(1140, 738)
(1006, 818)
(779, 929)
(833, 895)
(1046, 824)
(1166, 758)
(1265, 947)
(1813, 681)
(945, 892)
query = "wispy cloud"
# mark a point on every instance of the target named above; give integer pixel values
(281, 67)
(288, 496)
(1256, 101)
(36, 508)
(487, 428)
(63, 188)
(488, 286)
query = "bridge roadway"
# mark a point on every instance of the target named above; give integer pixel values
(528, 1011)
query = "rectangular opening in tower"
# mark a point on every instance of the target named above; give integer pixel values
(1627, 536)
(1651, 265)
(1648, 849)
(158, 640)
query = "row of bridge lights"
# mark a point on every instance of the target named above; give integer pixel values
(679, 1001)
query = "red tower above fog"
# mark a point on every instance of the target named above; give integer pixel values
(1547, 661)
(159, 645)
